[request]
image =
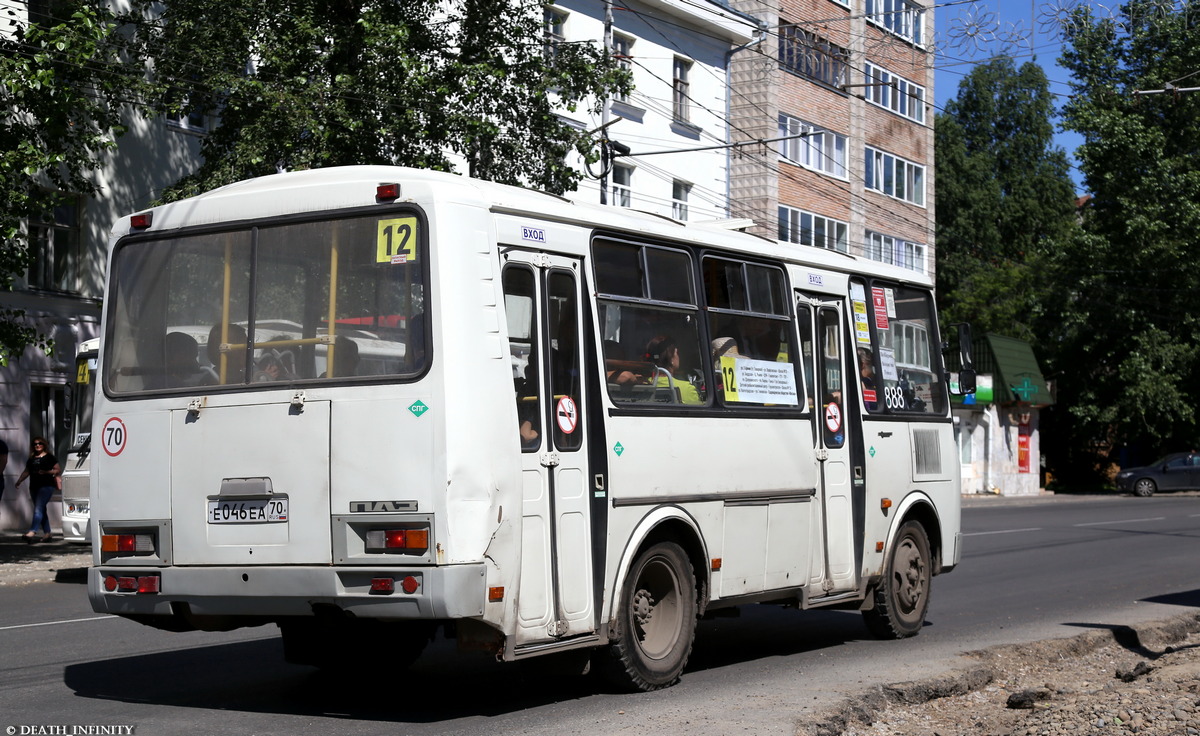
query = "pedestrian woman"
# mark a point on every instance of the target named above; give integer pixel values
(42, 471)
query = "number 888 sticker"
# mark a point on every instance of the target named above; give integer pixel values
(893, 396)
(113, 436)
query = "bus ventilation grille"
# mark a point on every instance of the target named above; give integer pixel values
(927, 452)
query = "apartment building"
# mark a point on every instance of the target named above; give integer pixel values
(62, 290)
(847, 86)
(675, 122)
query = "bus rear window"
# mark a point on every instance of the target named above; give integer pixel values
(322, 300)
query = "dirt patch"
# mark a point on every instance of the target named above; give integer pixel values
(1119, 680)
(22, 563)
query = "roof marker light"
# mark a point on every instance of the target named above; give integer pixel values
(141, 221)
(387, 191)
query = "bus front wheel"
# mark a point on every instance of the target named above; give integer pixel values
(656, 620)
(902, 597)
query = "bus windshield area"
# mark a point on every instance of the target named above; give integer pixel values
(293, 302)
(81, 401)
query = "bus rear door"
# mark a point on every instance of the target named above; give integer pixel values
(542, 297)
(824, 346)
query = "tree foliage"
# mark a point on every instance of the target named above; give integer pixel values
(308, 83)
(1128, 352)
(1005, 199)
(62, 82)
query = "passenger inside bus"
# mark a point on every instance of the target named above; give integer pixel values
(235, 353)
(866, 373)
(664, 353)
(182, 362)
(345, 358)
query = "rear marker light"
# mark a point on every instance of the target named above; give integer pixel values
(383, 585)
(141, 221)
(387, 192)
(148, 584)
(127, 584)
(495, 595)
(410, 584)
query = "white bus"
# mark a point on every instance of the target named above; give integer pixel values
(597, 425)
(76, 477)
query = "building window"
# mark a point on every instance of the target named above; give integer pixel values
(895, 93)
(894, 176)
(680, 190)
(681, 97)
(819, 150)
(622, 183)
(898, 252)
(553, 24)
(192, 120)
(811, 56)
(54, 246)
(805, 228)
(903, 18)
(623, 53)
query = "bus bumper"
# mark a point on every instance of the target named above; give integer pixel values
(258, 593)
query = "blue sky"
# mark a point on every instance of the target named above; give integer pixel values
(968, 33)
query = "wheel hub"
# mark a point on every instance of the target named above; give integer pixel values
(643, 607)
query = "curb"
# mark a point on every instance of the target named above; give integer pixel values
(861, 709)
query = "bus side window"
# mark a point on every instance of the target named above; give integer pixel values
(519, 293)
(564, 374)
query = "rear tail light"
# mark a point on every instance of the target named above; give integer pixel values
(385, 540)
(128, 544)
(132, 583)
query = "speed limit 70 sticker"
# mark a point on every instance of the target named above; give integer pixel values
(113, 436)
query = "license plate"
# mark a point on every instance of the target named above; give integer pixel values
(248, 510)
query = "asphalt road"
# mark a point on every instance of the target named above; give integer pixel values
(1032, 570)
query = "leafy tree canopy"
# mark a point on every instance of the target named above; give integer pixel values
(305, 84)
(62, 82)
(1129, 352)
(1004, 198)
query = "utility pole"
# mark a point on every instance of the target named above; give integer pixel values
(605, 155)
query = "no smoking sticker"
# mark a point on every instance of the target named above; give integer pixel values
(567, 415)
(833, 417)
(113, 436)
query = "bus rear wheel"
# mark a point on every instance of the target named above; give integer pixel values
(655, 622)
(902, 597)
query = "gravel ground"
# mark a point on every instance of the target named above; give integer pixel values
(1120, 681)
(21, 563)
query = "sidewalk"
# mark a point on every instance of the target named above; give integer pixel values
(22, 563)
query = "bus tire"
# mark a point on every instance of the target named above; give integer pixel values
(655, 623)
(902, 597)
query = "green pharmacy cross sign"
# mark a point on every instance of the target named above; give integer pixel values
(1026, 389)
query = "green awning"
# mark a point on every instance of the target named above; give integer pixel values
(1016, 377)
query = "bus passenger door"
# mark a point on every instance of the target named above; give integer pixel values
(542, 297)
(829, 376)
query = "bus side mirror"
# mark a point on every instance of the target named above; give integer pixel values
(966, 361)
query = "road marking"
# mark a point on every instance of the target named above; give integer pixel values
(1004, 531)
(1123, 521)
(55, 623)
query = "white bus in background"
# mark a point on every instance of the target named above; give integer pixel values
(75, 470)
(581, 428)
